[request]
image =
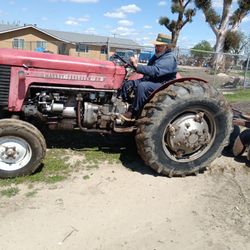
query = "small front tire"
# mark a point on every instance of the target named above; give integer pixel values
(22, 148)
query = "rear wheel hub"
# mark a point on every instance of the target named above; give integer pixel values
(186, 135)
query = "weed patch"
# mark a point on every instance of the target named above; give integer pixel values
(95, 156)
(74, 153)
(54, 169)
(9, 192)
(31, 193)
(242, 95)
(86, 177)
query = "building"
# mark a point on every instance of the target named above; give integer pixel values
(30, 37)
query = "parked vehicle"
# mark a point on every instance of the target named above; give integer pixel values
(182, 128)
(124, 54)
(145, 56)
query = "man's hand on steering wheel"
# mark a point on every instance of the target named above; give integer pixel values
(126, 62)
(134, 61)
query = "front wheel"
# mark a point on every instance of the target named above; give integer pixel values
(183, 128)
(22, 148)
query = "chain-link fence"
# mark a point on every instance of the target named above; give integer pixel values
(233, 71)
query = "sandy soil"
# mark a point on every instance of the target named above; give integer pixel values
(130, 207)
(117, 208)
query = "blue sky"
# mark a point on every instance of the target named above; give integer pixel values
(136, 19)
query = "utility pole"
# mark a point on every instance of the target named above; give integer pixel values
(108, 49)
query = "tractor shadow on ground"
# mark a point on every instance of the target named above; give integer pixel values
(123, 144)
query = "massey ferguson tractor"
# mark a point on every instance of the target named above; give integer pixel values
(182, 128)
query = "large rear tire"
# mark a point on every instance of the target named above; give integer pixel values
(183, 128)
(22, 148)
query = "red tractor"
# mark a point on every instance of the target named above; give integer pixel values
(182, 128)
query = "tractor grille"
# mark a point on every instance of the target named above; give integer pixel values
(4, 84)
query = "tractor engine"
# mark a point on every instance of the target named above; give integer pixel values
(62, 108)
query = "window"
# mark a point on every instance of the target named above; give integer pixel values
(104, 49)
(62, 49)
(18, 43)
(41, 46)
(82, 47)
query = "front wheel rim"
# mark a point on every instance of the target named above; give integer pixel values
(15, 153)
(189, 135)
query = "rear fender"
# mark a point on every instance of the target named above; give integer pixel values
(177, 80)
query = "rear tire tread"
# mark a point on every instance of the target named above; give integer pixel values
(152, 115)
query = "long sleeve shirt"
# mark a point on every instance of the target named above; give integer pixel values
(159, 69)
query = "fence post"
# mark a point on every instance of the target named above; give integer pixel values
(214, 68)
(246, 69)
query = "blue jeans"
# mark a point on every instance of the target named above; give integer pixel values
(142, 90)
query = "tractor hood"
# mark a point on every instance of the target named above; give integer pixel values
(29, 59)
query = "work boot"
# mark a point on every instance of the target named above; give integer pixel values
(238, 147)
(128, 117)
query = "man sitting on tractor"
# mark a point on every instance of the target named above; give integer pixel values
(161, 68)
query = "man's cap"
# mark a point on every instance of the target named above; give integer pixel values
(162, 39)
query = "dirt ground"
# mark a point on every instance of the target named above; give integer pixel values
(130, 207)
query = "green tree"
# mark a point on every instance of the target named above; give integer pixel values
(223, 23)
(197, 50)
(184, 16)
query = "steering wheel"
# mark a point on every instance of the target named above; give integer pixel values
(126, 62)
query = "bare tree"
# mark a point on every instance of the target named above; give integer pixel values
(184, 16)
(247, 47)
(224, 23)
